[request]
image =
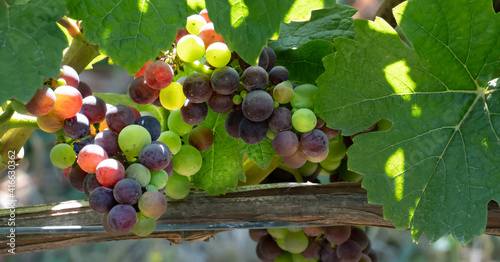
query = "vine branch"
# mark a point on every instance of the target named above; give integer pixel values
(7, 114)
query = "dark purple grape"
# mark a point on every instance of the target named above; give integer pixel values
(70, 76)
(194, 113)
(252, 132)
(122, 218)
(255, 78)
(263, 61)
(151, 124)
(271, 55)
(280, 119)
(269, 248)
(225, 80)
(101, 199)
(285, 143)
(278, 74)
(221, 104)
(79, 145)
(169, 169)
(232, 123)
(155, 156)
(76, 177)
(84, 89)
(349, 251)
(197, 88)
(201, 137)
(118, 117)
(359, 236)
(127, 191)
(337, 234)
(141, 93)
(257, 234)
(108, 140)
(90, 183)
(296, 160)
(257, 106)
(258, 251)
(76, 127)
(94, 108)
(328, 254)
(314, 143)
(313, 250)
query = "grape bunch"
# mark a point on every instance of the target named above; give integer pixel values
(312, 244)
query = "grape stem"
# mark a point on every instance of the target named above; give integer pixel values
(79, 53)
(70, 25)
(7, 114)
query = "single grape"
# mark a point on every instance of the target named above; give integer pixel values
(180, 34)
(153, 204)
(155, 156)
(70, 76)
(255, 78)
(221, 104)
(144, 225)
(308, 169)
(337, 234)
(237, 99)
(197, 88)
(90, 183)
(296, 160)
(263, 60)
(194, 113)
(257, 106)
(269, 248)
(118, 117)
(271, 55)
(204, 14)
(178, 186)
(195, 23)
(172, 140)
(314, 143)
(109, 172)
(172, 97)
(50, 122)
(139, 173)
(328, 254)
(232, 123)
(62, 156)
(127, 191)
(42, 102)
(84, 89)
(101, 199)
(218, 54)
(177, 125)
(108, 140)
(68, 101)
(304, 96)
(278, 74)
(151, 188)
(122, 218)
(151, 124)
(141, 93)
(257, 234)
(190, 48)
(313, 250)
(76, 177)
(359, 236)
(159, 178)
(304, 120)
(278, 232)
(285, 143)
(284, 257)
(208, 35)
(90, 156)
(283, 92)
(319, 158)
(252, 132)
(94, 108)
(132, 139)
(313, 231)
(201, 137)
(280, 119)
(187, 161)
(225, 80)
(76, 127)
(158, 75)
(296, 242)
(349, 251)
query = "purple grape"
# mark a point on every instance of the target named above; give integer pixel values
(271, 55)
(257, 106)
(232, 123)
(76, 177)
(314, 143)
(90, 183)
(225, 80)
(285, 143)
(141, 93)
(280, 119)
(252, 132)
(122, 218)
(94, 108)
(70, 76)
(127, 191)
(84, 89)
(155, 156)
(255, 78)
(313, 250)
(101, 199)
(197, 88)
(278, 74)
(79, 145)
(269, 248)
(194, 113)
(359, 236)
(76, 127)
(337, 234)
(221, 104)
(118, 117)
(349, 251)
(108, 140)
(201, 137)
(151, 124)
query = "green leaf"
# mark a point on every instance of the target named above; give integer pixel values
(196, 5)
(261, 153)
(31, 46)
(435, 169)
(247, 25)
(222, 162)
(131, 32)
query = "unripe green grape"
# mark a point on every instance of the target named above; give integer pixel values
(144, 225)
(276, 104)
(284, 257)
(172, 97)
(159, 178)
(178, 186)
(271, 134)
(336, 149)
(237, 99)
(195, 23)
(190, 48)
(151, 188)
(243, 94)
(177, 125)
(308, 169)
(330, 164)
(187, 161)
(139, 173)
(304, 120)
(277, 232)
(283, 92)
(299, 258)
(304, 96)
(132, 139)
(172, 140)
(62, 156)
(218, 54)
(61, 82)
(296, 242)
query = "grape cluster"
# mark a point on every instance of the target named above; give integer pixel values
(308, 244)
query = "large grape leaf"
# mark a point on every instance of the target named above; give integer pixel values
(131, 32)
(437, 167)
(31, 46)
(222, 162)
(247, 25)
(261, 153)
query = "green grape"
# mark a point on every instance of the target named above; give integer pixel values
(277, 232)
(144, 225)
(271, 134)
(276, 104)
(194, 24)
(237, 99)
(243, 94)
(336, 149)
(172, 140)
(284, 257)
(330, 164)
(299, 258)
(281, 243)
(61, 82)
(304, 120)
(172, 97)
(178, 186)
(283, 92)
(159, 178)
(296, 242)
(187, 161)
(132, 139)
(218, 54)
(294, 229)
(151, 188)
(190, 48)
(139, 173)
(177, 125)
(304, 96)
(62, 156)
(308, 169)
